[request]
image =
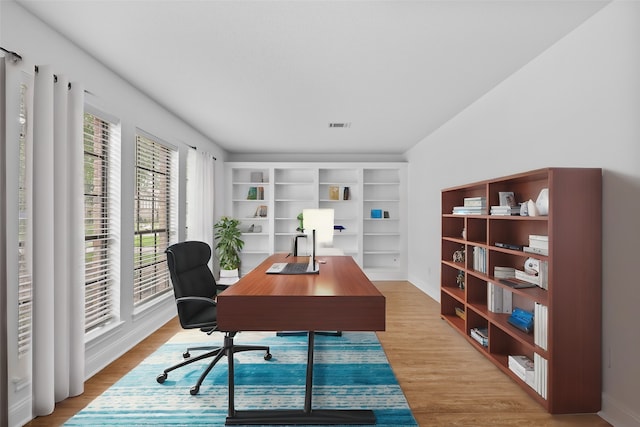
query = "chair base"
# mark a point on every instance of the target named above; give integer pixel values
(217, 353)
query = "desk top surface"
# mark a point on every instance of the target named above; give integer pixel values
(339, 297)
(338, 276)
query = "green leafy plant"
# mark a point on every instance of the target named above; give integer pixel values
(228, 242)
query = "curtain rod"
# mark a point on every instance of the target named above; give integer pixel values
(13, 55)
(196, 148)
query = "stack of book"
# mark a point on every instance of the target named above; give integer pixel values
(505, 210)
(472, 206)
(524, 368)
(481, 335)
(499, 300)
(538, 245)
(540, 319)
(540, 374)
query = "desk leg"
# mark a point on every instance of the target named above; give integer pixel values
(232, 409)
(308, 390)
(293, 416)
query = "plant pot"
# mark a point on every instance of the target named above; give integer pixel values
(229, 273)
(228, 277)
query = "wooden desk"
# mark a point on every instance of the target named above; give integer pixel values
(339, 298)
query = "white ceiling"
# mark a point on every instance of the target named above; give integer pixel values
(269, 76)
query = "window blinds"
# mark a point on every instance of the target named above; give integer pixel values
(154, 214)
(25, 302)
(100, 136)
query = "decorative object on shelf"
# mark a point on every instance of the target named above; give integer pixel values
(464, 233)
(542, 202)
(385, 214)
(524, 209)
(256, 177)
(376, 213)
(346, 193)
(229, 242)
(334, 192)
(458, 256)
(460, 279)
(252, 229)
(532, 210)
(261, 211)
(338, 227)
(300, 219)
(522, 320)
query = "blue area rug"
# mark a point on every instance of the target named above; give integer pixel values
(350, 372)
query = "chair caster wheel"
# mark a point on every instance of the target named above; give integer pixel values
(268, 356)
(160, 378)
(194, 390)
(186, 355)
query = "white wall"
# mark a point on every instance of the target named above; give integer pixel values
(38, 45)
(577, 104)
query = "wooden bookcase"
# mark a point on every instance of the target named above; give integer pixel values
(573, 297)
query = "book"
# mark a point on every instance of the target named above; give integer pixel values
(470, 210)
(504, 210)
(475, 202)
(524, 368)
(541, 242)
(517, 283)
(526, 277)
(509, 246)
(481, 335)
(260, 193)
(253, 193)
(539, 251)
(503, 272)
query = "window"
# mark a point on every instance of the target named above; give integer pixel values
(154, 217)
(101, 163)
(24, 268)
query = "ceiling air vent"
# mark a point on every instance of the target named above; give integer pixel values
(340, 125)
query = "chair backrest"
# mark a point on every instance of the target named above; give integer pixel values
(190, 274)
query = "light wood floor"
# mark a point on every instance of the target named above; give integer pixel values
(445, 380)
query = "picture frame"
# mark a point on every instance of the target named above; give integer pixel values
(507, 198)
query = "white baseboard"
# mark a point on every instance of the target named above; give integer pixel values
(20, 413)
(102, 352)
(618, 414)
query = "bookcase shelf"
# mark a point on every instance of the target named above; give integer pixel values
(568, 358)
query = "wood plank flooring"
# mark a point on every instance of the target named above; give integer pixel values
(445, 380)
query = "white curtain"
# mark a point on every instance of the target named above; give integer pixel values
(200, 187)
(58, 242)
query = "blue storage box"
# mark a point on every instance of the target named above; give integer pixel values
(376, 213)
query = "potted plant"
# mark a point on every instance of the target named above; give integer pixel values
(228, 245)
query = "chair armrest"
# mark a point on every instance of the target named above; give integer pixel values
(201, 299)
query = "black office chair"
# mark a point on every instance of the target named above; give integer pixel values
(195, 289)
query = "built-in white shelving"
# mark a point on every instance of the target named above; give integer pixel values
(352, 190)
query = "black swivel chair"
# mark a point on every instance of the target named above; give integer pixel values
(195, 289)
